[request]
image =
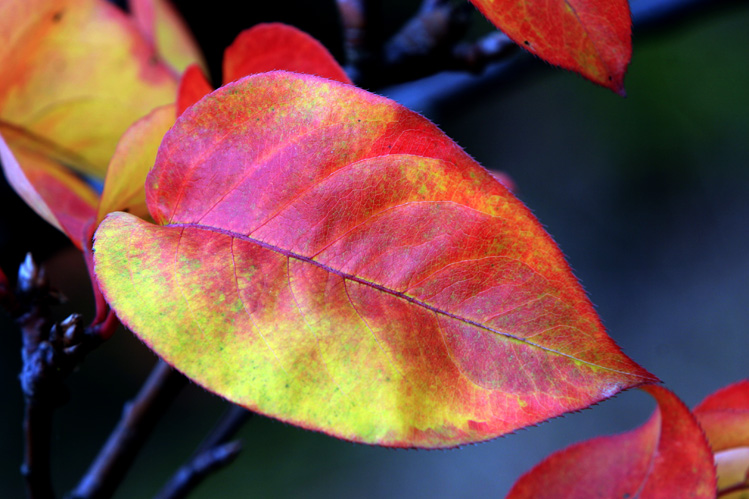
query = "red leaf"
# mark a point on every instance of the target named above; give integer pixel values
(591, 37)
(192, 87)
(268, 47)
(667, 457)
(332, 259)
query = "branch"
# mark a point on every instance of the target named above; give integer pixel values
(212, 454)
(457, 91)
(362, 33)
(126, 440)
(50, 353)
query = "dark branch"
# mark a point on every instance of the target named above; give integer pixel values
(198, 468)
(212, 454)
(138, 421)
(50, 353)
(362, 36)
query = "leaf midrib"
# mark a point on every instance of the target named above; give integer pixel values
(398, 294)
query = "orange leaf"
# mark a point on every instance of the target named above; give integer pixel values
(330, 258)
(667, 457)
(724, 415)
(166, 30)
(133, 158)
(590, 37)
(50, 189)
(76, 74)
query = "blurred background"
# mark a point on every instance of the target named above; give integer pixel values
(648, 196)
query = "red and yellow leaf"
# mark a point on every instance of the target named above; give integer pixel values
(591, 37)
(330, 258)
(724, 416)
(51, 190)
(276, 46)
(75, 75)
(166, 30)
(666, 457)
(133, 158)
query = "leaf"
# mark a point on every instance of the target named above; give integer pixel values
(724, 416)
(666, 457)
(262, 48)
(272, 46)
(192, 87)
(733, 473)
(330, 258)
(50, 189)
(133, 158)
(76, 74)
(590, 37)
(166, 30)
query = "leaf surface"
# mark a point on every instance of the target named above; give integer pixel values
(590, 37)
(167, 31)
(724, 415)
(50, 189)
(330, 258)
(76, 74)
(666, 457)
(276, 46)
(193, 86)
(133, 158)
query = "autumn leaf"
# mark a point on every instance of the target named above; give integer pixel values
(193, 86)
(133, 158)
(75, 75)
(590, 37)
(58, 195)
(666, 457)
(276, 46)
(262, 48)
(330, 258)
(163, 26)
(724, 416)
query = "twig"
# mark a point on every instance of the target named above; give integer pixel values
(362, 36)
(198, 468)
(475, 57)
(431, 42)
(46, 362)
(138, 421)
(212, 454)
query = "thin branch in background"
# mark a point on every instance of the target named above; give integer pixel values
(50, 352)
(362, 36)
(431, 42)
(46, 362)
(191, 474)
(353, 21)
(475, 57)
(125, 442)
(215, 452)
